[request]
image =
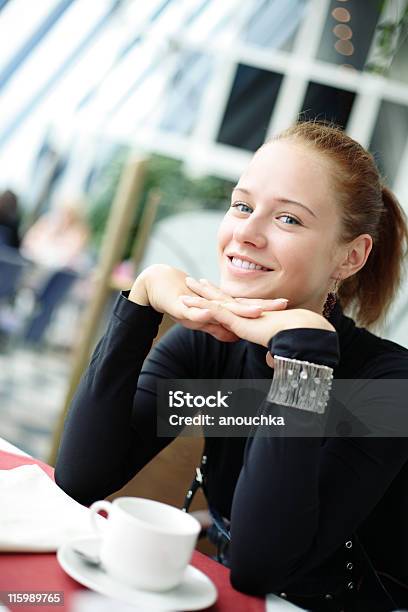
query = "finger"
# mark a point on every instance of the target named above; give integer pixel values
(195, 315)
(221, 315)
(225, 317)
(210, 286)
(228, 334)
(204, 288)
(201, 318)
(243, 310)
(198, 318)
(277, 304)
(195, 301)
(220, 333)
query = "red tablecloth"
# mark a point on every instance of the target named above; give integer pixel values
(41, 571)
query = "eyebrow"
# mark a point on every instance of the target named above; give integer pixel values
(284, 200)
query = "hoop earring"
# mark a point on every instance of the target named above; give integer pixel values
(330, 300)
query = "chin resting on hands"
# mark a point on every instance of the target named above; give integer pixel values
(165, 289)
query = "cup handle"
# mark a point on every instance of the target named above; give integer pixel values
(94, 509)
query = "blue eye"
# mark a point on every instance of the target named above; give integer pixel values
(244, 208)
(237, 204)
(296, 222)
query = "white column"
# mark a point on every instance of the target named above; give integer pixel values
(293, 87)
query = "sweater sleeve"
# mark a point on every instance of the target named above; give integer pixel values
(297, 500)
(110, 430)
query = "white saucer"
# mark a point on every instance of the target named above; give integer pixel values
(195, 592)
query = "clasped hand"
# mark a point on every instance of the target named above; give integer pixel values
(226, 317)
(201, 305)
(256, 320)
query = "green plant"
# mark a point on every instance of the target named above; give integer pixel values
(178, 191)
(388, 38)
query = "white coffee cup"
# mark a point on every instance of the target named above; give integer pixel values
(145, 544)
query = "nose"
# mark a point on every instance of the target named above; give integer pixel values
(250, 231)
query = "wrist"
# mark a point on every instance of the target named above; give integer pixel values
(301, 317)
(138, 292)
(315, 345)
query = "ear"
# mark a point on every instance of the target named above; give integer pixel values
(356, 254)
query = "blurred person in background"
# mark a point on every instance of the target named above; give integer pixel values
(59, 238)
(11, 263)
(58, 244)
(9, 220)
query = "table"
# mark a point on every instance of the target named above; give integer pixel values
(41, 571)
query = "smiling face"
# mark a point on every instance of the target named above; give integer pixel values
(283, 217)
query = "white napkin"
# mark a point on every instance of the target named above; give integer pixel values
(35, 514)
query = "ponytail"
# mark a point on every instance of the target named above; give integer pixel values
(374, 287)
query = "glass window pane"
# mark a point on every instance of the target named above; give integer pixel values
(249, 108)
(274, 23)
(393, 57)
(399, 66)
(213, 19)
(118, 88)
(18, 21)
(46, 62)
(184, 92)
(389, 138)
(389, 51)
(329, 103)
(348, 32)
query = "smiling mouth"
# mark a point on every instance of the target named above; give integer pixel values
(242, 264)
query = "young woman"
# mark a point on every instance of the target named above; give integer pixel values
(308, 213)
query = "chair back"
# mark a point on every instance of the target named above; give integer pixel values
(6, 236)
(12, 265)
(49, 298)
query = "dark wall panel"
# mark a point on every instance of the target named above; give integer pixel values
(330, 103)
(249, 108)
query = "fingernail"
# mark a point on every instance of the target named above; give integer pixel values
(203, 280)
(284, 300)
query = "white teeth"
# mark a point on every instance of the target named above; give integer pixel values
(241, 263)
(237, 262)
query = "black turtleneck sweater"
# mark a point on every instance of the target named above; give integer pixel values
(293, 502)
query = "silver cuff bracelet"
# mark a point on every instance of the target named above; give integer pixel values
(300, 384)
